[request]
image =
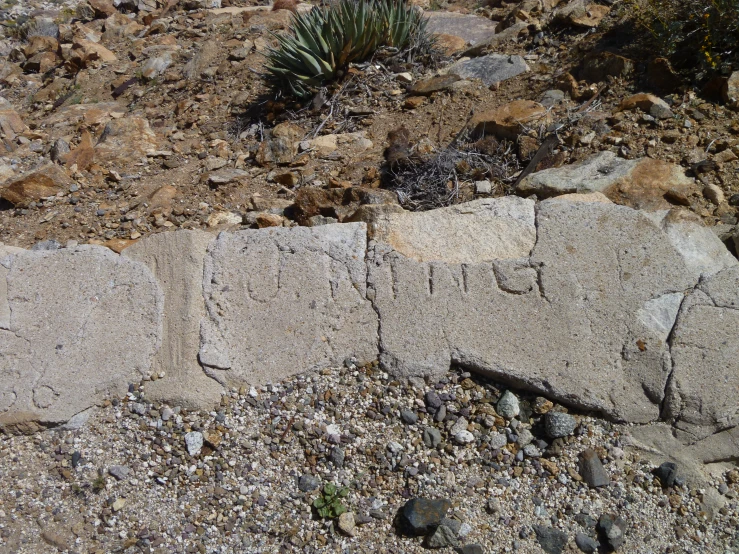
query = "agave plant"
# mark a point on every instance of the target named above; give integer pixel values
(322, 42)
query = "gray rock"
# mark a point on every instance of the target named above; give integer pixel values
(552, 97)
(613, 529)
(420, 516)
(497, 440)
(557, 425)
(531, 451)
(308, 483)
(591, 469)
(194, 442)
(336, 456)
(666, 473)
(508, 406)
(469, 549)
(432, 400)
(119, 472)
(473, 29)
(137, 408)
(586, 544)
(176, 260)
(46, 245)
(302, 287)
(524, 437)
(442, 537)
(575, 336)
(67, 343)
(431, 437)
(551, 540)
(493, 68)
(409, 416)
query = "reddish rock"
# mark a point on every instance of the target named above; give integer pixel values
(450, 44)
(39, 44)
(161, 199)
(102, 8)
(339, 203)
(85, 53)
(508, 121)
(118, 245)
(125, 139)
(427, 87)
(11, 124)
(83, 155)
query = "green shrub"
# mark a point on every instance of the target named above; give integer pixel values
(322, 42)
(329, 503)
(691, 32)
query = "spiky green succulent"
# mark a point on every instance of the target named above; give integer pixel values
(324, 41)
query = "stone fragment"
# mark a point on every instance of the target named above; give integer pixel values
(508, 406)
(341, 204)
(102, 8)
(586, 544)
(503, 229)
(449, 44)
(510, 120)
(642, 183)
(52, 365)
(347, 144)
(431, 437)
(118, 504)
(426, 87)
(85, 53)
(493, 68)
(280, 145)
(500, 38)
(469, 549)
(83, 155)
(582, 13)
(558, 424)
(176, 259)
(644, 101)
(11, 124)
(119, 472)
(125, 139)
(194, 442)
(442, 537)
(613, 529)
(303, 287)
(598, 66)
(347, 524)
(551, 540)
(421, 516)
(591, 469)
(308, 483)
(43, 182)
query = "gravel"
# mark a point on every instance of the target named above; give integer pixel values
(266, 456)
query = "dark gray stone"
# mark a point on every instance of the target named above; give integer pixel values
(431, 437)
(443, 537)
(408, 416)
(469, 549)
(420, 516)
(472, 29)
(551, 540)
(586, 544)
(592, 470)
(308, 483)
(336, 456)
(557, 425)
(666, 473)
(613, 529)
(119, 472)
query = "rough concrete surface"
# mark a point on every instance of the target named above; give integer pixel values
(84, 323)
(482, 230)
(281, 301)
(176, 260)
(584, 323)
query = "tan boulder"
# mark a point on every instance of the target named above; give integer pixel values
(510, 120)
(102, 8)
(126, 139)
(39, 44)
(11, 124)
(642, 100)
(83, 155)
(85, 53)
(35, 185)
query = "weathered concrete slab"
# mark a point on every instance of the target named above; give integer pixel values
(473, 29)
(702, 395)
(176, 260)
(282, 301)
(84, 323)
(583, 319)
(483, 230)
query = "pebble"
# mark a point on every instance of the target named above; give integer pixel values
(666, 473)
(431, 437)
(558, 425)
(308, 483)
(442, 537)
(469, 549)
(347, 523)
(586, 544)
(613, 529)
(497, 440)
(591, 469)
(336, 456)
(508, 406)
(194, 442)
(119, 472)
(551, 540)
(118, 504)
(409, 416)
(419, 516)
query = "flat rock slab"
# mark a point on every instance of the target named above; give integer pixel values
(493, 68)
(581, 319)
(282, 301)
(472, 29)
(84, 323)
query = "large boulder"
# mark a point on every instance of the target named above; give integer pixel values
(84, 323)
(281, 301)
